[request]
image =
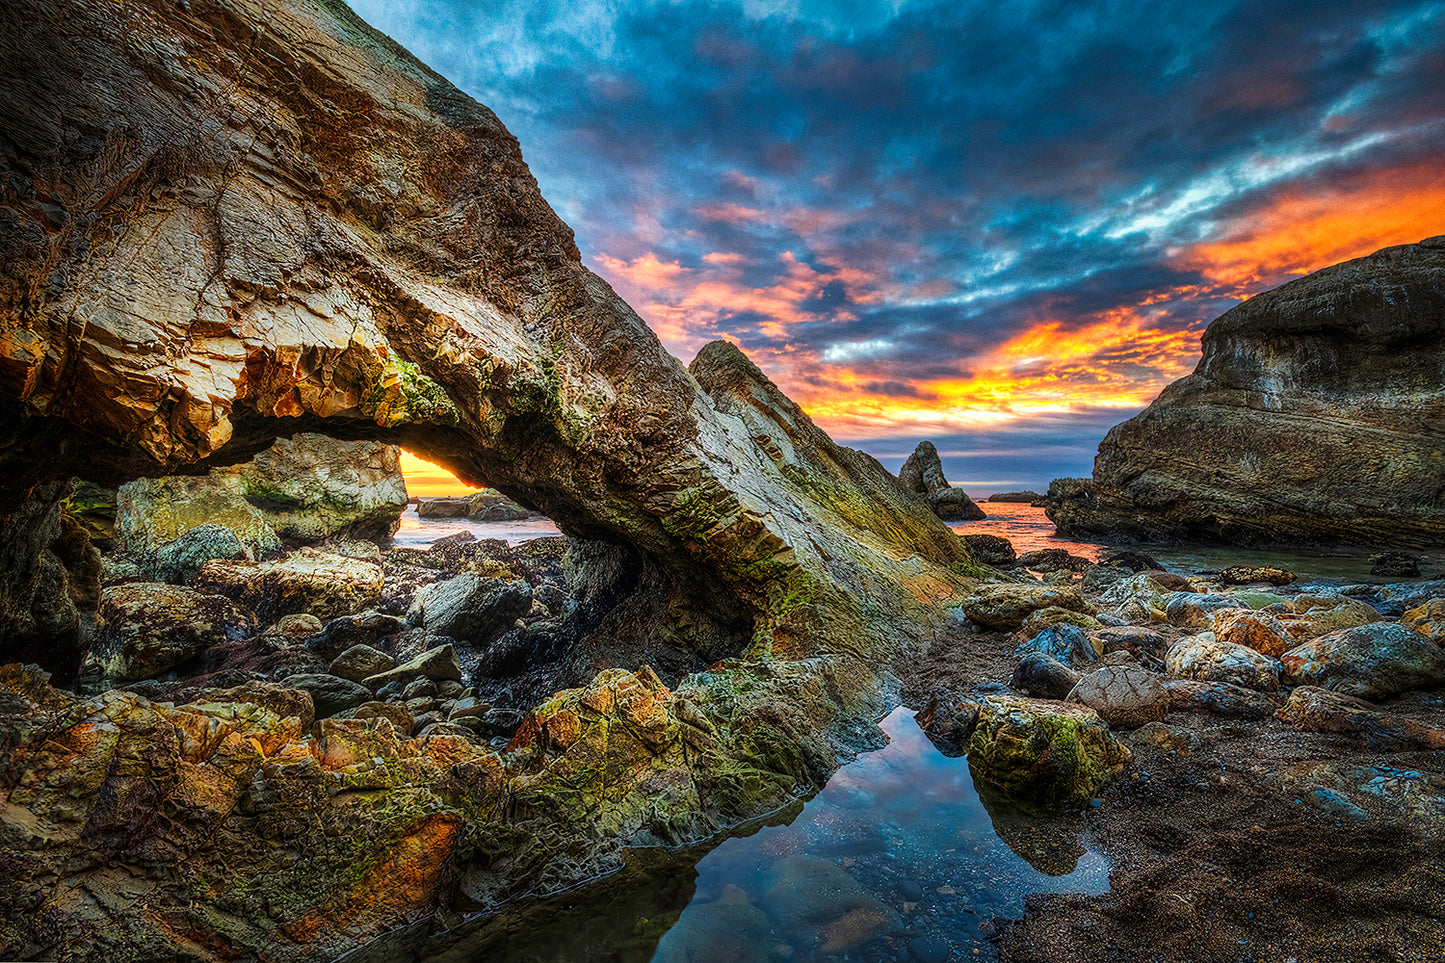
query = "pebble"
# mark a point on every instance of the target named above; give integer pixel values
(929, 949)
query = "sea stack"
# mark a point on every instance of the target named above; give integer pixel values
(1316, 415)
(922, 474)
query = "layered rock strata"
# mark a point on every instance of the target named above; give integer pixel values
(225, 223)
(1316, 414)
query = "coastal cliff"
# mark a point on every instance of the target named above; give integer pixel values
(1316, 415)
(223, 223)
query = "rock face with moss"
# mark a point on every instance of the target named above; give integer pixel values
(286, 223)
(1317, 414)
(244, 824)
(224, 223)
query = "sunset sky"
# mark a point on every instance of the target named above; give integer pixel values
(998, 226)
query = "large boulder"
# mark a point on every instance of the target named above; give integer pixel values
(471, 608)
(307, 580)
(149, 627)
(1204, 658)
(1260, 631)
(310, 487)
(1316, 414)
(1124, 696)
(1037, 751)
(1370, 661)
(1428, 620)
(1006, 607)
(922, 474)
(303, 489)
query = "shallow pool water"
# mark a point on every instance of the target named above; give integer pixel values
(899, 850)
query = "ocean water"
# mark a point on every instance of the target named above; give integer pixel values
(900, 846)
(1022, 524)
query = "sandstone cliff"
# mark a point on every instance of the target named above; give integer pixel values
(1317, 414)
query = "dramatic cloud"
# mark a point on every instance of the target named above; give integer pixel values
(1001, 222)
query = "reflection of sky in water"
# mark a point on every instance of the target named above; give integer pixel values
(902, 817)
(1029, 529)
(418, 532)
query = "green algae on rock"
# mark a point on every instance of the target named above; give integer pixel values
(1050, 752)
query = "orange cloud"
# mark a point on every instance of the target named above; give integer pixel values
(1302, 230)
(1117, 359)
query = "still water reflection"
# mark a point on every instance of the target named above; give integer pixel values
(898, 847)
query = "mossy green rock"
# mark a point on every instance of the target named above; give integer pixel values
(1050, 752)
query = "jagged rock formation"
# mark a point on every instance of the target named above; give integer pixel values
(922, 474)
(226, 222)
(1316, 415)
(287, 223)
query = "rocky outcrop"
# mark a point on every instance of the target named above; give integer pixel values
(1317, 414)
(922, 474)
(301, 490)
(224, 223)
(286, 223)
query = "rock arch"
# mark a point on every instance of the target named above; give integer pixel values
(224, 222)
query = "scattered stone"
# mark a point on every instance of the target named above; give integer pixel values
(1005, 607)
(178, 560)
(1330, 613)
(1203, 658)
(1428, 620)
(1065, 643)
(1219, 699)
(396, 714)
(1044, 618)
(304, 581)
(1041, 675)
(330, 694)
(1193, 610)
(468, 707)
(343, 632)
(1159, 735)
(1252, 574)
(929, 949)
(1370, 661)
(990, 549)
(361, 662)
(1133, 561)
(1408, 595)
(1053, 560)
(437, 664)
(825, 906)
(1395, 565)
(1136, 639)
(471, 607)
(1124, 696)
(1257, 630)
(1313, 709)
(150, 627)
(298, 625)
(1044, 751)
